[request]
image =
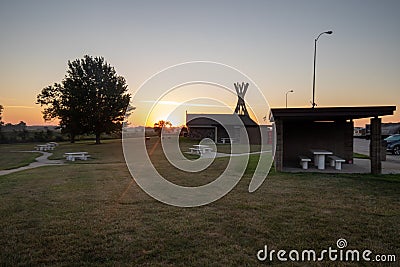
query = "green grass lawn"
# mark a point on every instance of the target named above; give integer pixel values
(10, 158)
(360, 156)
(92, 213)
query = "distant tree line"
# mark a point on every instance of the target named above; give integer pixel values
(19, 133)
(160, 125)
(91, 99)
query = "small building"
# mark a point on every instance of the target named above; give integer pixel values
(359, 132)
(234, 127)
(388, 129)
(298, 130)
(217, 126)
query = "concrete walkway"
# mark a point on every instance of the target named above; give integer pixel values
(390, 165)
(358, 166)
(40, 161)
(214, 154)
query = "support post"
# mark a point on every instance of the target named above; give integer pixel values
(279, 145)
(348, 141)
(375, 146)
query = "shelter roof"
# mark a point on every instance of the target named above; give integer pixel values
(214, 119)
(330, 113)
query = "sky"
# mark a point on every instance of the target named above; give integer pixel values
(270, 42)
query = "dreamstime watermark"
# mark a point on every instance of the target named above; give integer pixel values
(338, 253)
(204, 87)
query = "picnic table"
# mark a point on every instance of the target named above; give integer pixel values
(54, 144)
(225, 139)
(44, 147)
(200, 149)
(41, 147)
(319, 157)
(71, 156)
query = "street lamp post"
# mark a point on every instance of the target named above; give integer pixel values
(315, 58)
(291, 91)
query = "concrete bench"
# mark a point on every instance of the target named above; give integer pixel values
(304, 161)
(336, 162)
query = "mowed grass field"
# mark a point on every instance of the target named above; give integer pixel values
(12, 155)
(92, 213)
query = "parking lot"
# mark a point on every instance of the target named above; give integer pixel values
(390, 165)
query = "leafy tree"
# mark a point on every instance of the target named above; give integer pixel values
(1, 112)
(63, 102)
(91, 99)
(184, 131)
(2, 137)
(49, 134)
(39, 136)
(158, 126)
(23, 134)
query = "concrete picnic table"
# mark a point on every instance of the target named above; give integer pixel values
(201, 149)
(44, 147)
(54, 144)
(319, 157)
(231, 140)
(76, 155)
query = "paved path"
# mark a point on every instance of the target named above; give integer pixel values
(214, 154)
(361, 146)
(40, 161)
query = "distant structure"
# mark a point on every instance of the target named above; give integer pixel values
(359, 132)
(387, 129)
(217, 126)
(241, 90)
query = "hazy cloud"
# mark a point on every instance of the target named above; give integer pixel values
(19, 107)
(174, 103)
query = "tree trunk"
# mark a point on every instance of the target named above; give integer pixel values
(98, 138)
(72, 138)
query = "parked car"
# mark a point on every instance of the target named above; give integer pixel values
(393, 144)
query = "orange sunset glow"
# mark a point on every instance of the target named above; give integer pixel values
(357, 65)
